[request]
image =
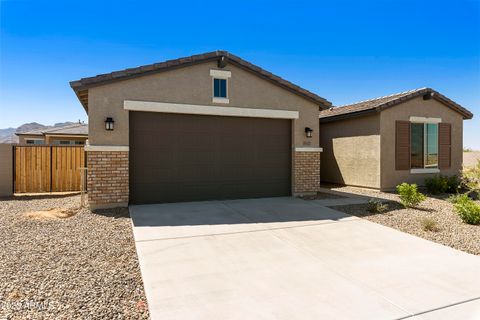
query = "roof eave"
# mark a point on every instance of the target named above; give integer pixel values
(348, 115)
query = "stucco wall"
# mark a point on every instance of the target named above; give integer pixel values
(6, 170)
(193, 85)
(421, 108)
(351, 151)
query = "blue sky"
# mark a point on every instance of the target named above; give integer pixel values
(344, 51)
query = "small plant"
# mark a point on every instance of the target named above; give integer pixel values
(436, 185)
(442, 184)
(453, 184)
(428, 224)
(409, 195)
(376, 206)
(454, 198)
(467, 209)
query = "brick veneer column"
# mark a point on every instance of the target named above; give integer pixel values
(306, 172)
(107, 179)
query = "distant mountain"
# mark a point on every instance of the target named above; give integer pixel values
(7, 132)
(8, 135)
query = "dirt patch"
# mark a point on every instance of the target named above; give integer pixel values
(52, 213)
(470, 158)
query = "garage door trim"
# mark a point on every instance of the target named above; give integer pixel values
(164, 107)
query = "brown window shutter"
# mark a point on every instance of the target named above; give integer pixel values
(444, 145)
(402, 145)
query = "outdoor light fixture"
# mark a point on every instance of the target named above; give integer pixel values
(308, 132)
(109, 124)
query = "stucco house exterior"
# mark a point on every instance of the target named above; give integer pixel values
(74, 134)
(214, 126)
(380, 143)
(206, 127)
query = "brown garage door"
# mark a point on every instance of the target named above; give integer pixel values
(177, 157)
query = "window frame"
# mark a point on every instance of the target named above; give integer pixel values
(226, 88)
(221, 75)
(42, 141)
(425, 121)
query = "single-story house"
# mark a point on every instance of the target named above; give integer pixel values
(380, 143)
(74, 134)
(208, 127)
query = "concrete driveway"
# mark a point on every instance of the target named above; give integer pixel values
(284, 258)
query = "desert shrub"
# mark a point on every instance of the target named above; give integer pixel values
(436, 185)
(453, 184)
(409, 195)
(376, 206)
(454, 198)
(442, 184)
(428, 224)
(467, 209)
(471, 178)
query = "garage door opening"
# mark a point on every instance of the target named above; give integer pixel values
(177, 157)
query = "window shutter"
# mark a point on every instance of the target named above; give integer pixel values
(402, 145)
(444, 145)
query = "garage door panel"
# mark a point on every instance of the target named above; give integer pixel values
(189, 157)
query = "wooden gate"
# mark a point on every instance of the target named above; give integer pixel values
(48, 168)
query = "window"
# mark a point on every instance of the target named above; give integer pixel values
(424, 145)
(220, 85)
(34, 141)
(64, 142)
(79, 142)
(219, 88)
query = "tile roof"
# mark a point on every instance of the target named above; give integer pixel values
(81, 86)
(378, 104)
(73, 129)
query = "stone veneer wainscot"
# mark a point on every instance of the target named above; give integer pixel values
(306, 170)
(107, 179)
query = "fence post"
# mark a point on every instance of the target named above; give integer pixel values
(83, 173)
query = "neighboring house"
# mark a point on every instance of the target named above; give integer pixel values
(380, 143)
(214, 126)
(75, 134)
(210, 126)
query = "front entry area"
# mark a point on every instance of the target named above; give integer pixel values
(178, 157)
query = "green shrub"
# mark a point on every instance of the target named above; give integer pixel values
(409, 195)
(428, 224)
(442, 184)
(453, 184)
(467, 209)
(436, 185)
(376, 206)
(454, 198)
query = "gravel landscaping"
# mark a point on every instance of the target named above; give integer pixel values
(451, 230)
(79, 267)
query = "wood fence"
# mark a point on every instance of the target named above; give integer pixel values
(48, 168)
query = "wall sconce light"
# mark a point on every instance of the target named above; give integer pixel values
(308, 132)
(109, 124)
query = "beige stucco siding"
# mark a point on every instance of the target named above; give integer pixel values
(421, 108)
(351, 151)
(193, 85)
